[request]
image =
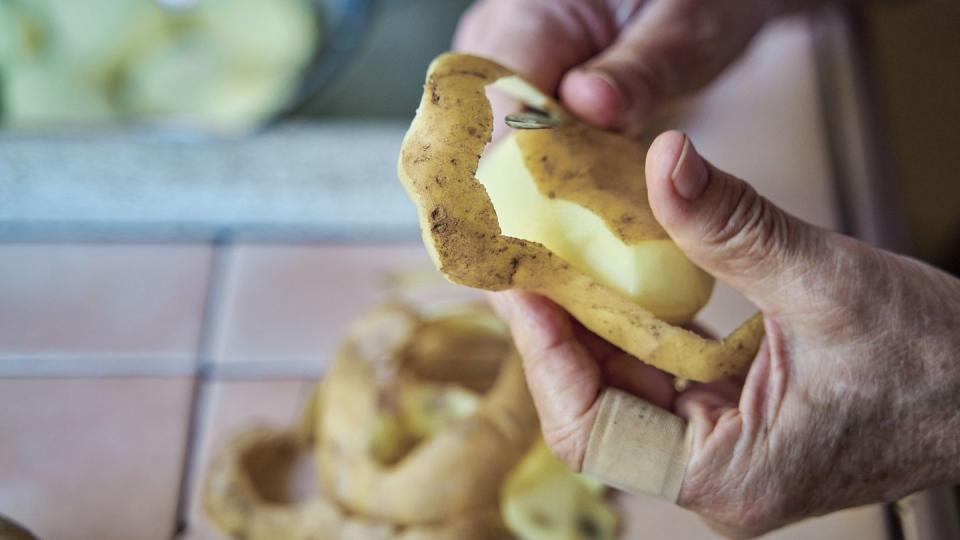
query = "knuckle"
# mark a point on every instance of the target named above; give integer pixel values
(644, 75)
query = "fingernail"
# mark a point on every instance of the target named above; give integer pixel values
(594, 96)
(690, 174)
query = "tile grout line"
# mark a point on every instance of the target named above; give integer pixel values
(96, 366)
(264, 370)
(174, 366)
(198, 399)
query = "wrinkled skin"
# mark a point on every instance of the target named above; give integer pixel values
(853, 398)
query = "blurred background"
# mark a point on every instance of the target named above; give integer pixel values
(221, 66)
(197, 196)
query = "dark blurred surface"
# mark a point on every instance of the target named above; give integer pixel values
(915, 48)
(385, 76)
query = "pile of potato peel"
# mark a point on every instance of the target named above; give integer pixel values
(423, 429)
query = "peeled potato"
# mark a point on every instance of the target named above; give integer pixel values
(635, 258)
(543, 500)
(54, 94)
(612, 286)
(261, 33)
(24, 34)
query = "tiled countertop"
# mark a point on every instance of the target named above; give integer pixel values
(125, 364)
(322, 180)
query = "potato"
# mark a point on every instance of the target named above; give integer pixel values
(280, 34)
(51, 95)
(461, 229)
(24, 33)
(617, 242)
(542, 499)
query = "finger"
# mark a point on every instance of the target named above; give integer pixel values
(563, 378)
(669, 49)
(623, 371)
(702, 407)
(728, 388)
(724, 226)
(540, 40)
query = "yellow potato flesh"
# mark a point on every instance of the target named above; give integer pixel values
(653, 273)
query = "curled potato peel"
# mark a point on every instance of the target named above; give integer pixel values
(407, 448)
(458, 469)
(438, 162)
(243, 496)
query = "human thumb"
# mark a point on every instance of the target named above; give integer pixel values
(725, 226)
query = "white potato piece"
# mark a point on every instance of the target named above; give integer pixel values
(91, 34)
(175, 75)
(261, 33)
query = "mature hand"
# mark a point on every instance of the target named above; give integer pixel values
(613, 62)
(853, 398)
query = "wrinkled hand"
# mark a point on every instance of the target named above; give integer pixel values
(853, 398)
(613, 62)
